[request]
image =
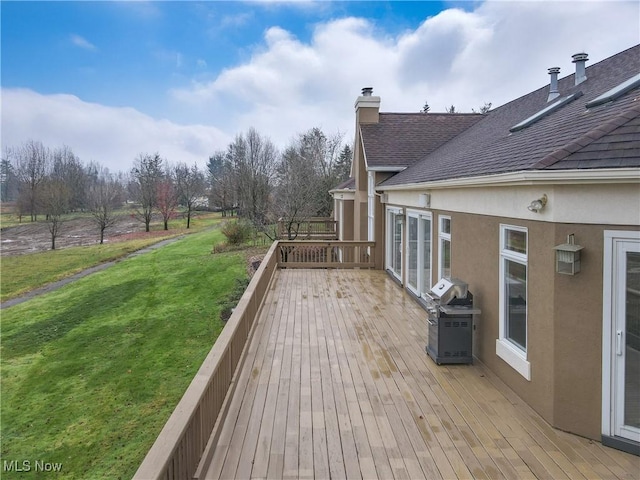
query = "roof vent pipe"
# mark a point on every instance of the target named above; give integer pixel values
(367, 91)
(553, 86)
(580, 59)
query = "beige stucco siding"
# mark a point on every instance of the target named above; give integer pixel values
(564, 314)
(578, 314)
(475, 258)
(615, 203)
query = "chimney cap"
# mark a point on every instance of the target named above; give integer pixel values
(553, 70)
(367, 91)
(580, 57)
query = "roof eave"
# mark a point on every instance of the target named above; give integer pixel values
(528, 177)
(387, 168)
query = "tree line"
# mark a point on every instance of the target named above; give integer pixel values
(265, 186)
(250, 177)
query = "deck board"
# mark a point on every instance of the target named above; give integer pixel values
(337, 384)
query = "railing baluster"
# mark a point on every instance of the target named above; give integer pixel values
(326, 254)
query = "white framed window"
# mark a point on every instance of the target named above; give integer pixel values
(371, 205)
(418, 256)
(511, 345)
(444, 247)
(395, 232)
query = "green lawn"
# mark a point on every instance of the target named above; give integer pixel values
(91, 372)
(22, 273)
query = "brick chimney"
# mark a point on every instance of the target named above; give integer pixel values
(367, 107)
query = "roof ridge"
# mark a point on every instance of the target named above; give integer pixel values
(588, 138)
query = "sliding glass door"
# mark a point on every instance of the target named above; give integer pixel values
(418, 252)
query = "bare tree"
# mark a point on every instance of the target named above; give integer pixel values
(254, 162)
(55, 202)
(103, 197)
(223, 193)
(67, 168)
(296, 194)
(166, 199)
(308, 169)
(190, 186)
(323, 151)
(146, 175)
(451, 109)
(31, 162)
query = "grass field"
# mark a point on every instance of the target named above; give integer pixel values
(22, 273)
(91, 372)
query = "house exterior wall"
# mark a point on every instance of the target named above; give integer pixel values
(360, 228)
(564, 313)
(343, 213)
(578, 314)
(475, 258)
(347, 220)
(380, 221)
(367, 111)
(604, 203)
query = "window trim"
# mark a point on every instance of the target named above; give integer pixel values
(371, 205)
(390, 212)
(442, 237)
(511, 353)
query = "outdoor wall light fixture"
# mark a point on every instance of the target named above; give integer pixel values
(424, 200)
(568, 257)
(538, 204)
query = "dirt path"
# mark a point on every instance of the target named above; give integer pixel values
(60, 283)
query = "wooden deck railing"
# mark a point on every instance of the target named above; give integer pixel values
(191, 433)
(310, 229)
(184, 439)
(326, 254)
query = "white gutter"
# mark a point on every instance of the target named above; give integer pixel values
(341, 190)
(529, 177)
(386, 169)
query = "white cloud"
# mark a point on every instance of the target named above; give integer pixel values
(495, 53)
(82, 42)
(111, 136)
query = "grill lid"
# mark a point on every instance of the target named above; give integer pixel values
(448, 289)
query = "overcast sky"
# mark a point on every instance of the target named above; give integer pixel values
(115, 79)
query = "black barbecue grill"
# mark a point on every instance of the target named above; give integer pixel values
(450, 316)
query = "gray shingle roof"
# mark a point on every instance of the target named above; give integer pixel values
(606, 136)
(616, 143)
(349, 184)
(401, 139)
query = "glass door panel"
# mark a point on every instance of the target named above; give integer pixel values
(412, 253)
(631, 335)
(425, 227)
(626, 341)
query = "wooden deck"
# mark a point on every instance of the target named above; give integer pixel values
(337, 384)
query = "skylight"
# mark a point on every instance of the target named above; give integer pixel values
(616, 92)
(545, 111)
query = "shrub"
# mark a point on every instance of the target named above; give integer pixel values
(230, 303)
(237, 231)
